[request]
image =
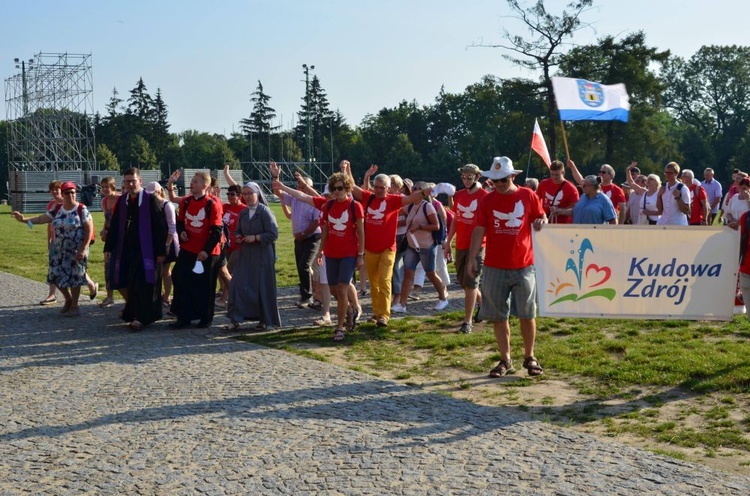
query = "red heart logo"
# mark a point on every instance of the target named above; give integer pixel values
(604, 273)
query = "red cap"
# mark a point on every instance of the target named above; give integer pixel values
(68, 185)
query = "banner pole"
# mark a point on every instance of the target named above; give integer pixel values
(565, 140)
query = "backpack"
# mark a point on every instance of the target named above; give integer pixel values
(80, 216)
(351, 207)
(439, 236)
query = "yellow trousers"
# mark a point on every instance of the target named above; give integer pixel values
(379, 268)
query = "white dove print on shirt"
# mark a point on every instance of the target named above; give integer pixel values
(197, 219)
(379, 213)
(553, 200)
(340, 223)
(468, 211)
(513, 218)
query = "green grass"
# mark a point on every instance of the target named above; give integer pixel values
(25, 250)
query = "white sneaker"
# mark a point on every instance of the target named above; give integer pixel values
(398, 308)
(441, 305)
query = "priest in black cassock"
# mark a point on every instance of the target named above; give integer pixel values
(136, 248)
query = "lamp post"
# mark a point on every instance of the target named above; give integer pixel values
(307, 105)
(24, 87)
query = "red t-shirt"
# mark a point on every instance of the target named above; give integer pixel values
(563, 195)
(50, 229)
(198, 224)
(342, 228)
(615, 194)
(507, 220)
(465, 208)
(697, 196)
(745, 267)
(381, 221)
(230, 218)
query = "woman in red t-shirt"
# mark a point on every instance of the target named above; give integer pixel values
(342, 239)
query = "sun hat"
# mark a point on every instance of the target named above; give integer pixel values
(501, 168)
(470, 169)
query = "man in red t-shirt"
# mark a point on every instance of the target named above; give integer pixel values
(465, 203)
(506, 217)
(558, 195)
(381, 221)
(197, 267)
(699, 208)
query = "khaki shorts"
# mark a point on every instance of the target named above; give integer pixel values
(468, 282)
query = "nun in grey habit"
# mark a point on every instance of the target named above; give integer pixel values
(252, 291)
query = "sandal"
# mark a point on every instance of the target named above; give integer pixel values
(94, 291)
(323, 322)
(107, 302)
(339, 335)
(135, 326)
(316, 305)
(531, 364)
(50, 300)
(502, 369)
(232, 326)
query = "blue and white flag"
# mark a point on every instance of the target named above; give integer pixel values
(581, 100)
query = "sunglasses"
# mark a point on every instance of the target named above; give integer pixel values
(503, 180)
(72, 192)
(468, 178)
(603, 172)
(338, 188)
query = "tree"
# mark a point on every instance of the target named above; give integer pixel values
(320, 122)
(204, 150)
(113, 106)
(542, 50)
(141, 154)
(160, 137)
(710, 92)
(105, 159)
(140, 102)
(261, 118)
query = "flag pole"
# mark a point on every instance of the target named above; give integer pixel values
(565, 138)
(528, 166)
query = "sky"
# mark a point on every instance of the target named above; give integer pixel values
(207, 57)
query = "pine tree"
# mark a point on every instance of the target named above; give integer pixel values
(140, 102)
(114, 103)
(261, 118)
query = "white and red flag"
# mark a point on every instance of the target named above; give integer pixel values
(539, 145)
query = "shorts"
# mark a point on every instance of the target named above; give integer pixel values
(427, 256)
(506, 291)
(223, 256)
(340, 270)
(464, 280)
(322, 274)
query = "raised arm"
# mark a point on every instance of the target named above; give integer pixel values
(293, 192)
(228, 177)
(575, 173)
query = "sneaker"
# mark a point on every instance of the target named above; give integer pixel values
(441, 305)
(398, 308)
(465, 328)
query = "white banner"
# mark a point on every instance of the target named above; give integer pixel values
(649, 272)
(581, 100)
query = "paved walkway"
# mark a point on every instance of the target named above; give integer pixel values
(88, 407)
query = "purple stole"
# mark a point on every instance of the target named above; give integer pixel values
(144, 232)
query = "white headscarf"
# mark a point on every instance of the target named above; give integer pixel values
(256, 189)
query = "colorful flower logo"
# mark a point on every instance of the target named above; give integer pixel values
(588, 278)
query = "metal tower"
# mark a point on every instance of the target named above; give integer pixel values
(49, 106)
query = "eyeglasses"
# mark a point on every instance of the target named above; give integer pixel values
(503, 180)
(129, 181)
(71, 192)
(469, 177)
(603, 172)
(669, 172)
(338, 188)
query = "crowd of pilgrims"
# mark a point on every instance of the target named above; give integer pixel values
(166, 254)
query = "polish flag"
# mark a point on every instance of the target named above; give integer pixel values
(538, 144)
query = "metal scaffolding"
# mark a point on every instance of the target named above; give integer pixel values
(49, 107)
